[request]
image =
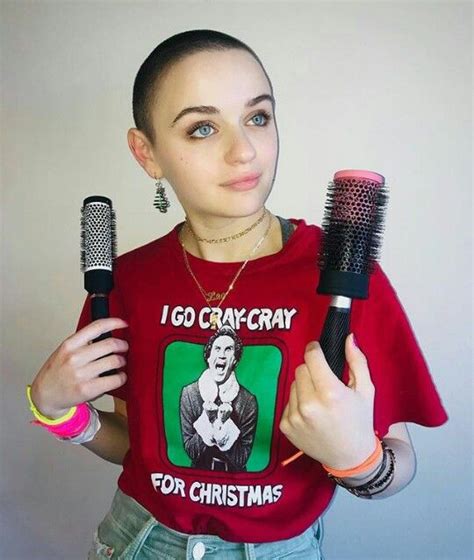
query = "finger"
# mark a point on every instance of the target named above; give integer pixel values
(359, 373)
(100, 349)
(92, 331)
(292, 401)
(305, 389)
(93, 369)
(103, 385)
(321, 374)
(351, 383)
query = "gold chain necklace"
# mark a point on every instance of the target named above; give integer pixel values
(214, 315)
(225, 239)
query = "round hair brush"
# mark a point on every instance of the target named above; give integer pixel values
(98, 251)
(351, 240)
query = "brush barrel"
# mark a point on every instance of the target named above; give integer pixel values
(334, 334)
(352, 227)
(97, 244)
(97, 255)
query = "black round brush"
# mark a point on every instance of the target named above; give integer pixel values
(351, 240)
(98, 252)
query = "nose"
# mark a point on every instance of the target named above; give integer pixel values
(241, 148)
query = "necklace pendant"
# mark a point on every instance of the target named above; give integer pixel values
(213, 321)
(214, 296)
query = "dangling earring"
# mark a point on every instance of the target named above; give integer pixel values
(161, 201)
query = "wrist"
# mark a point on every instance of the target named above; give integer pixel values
(364, 476)
(43, 409)
(376, 484)
(366, 467)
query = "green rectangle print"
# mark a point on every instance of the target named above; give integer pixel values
(219, 402)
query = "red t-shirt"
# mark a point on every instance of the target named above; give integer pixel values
(205, 446)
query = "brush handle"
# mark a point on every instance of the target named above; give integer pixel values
(100, 310)
(334, 334)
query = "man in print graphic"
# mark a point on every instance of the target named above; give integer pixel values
(218, 415)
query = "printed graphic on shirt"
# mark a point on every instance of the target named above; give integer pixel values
(209, 493)
(219, 402)
(255, 319)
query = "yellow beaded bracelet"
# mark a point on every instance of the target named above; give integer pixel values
(44, 419)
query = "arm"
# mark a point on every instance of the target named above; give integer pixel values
(111, 442)
(193, 443)
(239, 453)
(399, 440)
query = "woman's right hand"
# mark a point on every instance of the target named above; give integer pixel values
(70, 376)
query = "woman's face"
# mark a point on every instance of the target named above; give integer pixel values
(237, 139)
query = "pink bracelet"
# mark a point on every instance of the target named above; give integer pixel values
(72, 427)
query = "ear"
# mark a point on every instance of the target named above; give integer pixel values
(142, 151)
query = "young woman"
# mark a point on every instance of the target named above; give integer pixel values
(224, 380)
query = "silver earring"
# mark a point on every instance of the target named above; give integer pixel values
(161, 200)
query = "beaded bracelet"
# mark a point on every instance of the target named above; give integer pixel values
(365, 490)
(362, 490)
(388, 478)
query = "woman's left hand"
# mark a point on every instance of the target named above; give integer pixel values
(329, 421)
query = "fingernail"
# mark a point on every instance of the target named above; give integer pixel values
(354, 341)
(312, 345)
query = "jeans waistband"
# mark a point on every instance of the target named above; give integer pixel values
(147, 534)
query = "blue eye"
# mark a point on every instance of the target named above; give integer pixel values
(201, 127)
(205, 124)
(260, 115)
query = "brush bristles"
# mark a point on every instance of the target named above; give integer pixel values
(113, 233)
(378, 226)
(83, 241)
(352, 225)
(98, 236)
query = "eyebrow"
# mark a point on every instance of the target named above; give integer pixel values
(210, 110)
(229, 346)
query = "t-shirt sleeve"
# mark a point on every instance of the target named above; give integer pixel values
(116, 309)
(404, 388)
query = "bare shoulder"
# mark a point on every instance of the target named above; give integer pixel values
(120, 406)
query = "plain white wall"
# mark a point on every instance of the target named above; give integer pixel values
(376, 85)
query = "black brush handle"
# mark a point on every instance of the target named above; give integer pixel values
(333, 338)
(100, 310)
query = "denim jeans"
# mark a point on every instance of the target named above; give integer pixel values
(130, 532)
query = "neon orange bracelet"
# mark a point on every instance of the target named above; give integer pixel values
(360, 468)
(369, 462)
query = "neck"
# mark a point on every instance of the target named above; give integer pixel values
(234, 250)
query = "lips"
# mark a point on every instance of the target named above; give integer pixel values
(249, 178)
